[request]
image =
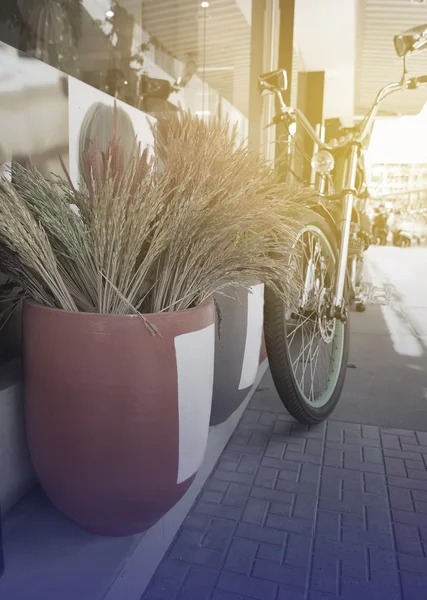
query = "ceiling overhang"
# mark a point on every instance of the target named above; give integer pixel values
(377, 63)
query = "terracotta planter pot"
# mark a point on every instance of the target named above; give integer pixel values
(117, 419)
(238, 351)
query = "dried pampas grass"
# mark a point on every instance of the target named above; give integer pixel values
(152, 234)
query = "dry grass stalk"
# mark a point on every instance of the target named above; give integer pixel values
(151, 235)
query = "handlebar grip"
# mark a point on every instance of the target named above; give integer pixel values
(414, 82)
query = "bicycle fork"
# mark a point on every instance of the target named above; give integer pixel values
(339, 308)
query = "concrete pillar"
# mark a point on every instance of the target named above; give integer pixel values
(285, 58)
(256, 68)
(311, 91)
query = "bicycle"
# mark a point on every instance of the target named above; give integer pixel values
(314, 330)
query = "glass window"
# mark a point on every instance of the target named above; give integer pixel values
(201, 49)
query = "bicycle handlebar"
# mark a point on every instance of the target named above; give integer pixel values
(410, 84)
(416, 82)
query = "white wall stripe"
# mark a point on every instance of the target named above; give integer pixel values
(255, 324)
(195, 355)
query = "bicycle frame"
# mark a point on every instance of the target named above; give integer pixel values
(349, 191)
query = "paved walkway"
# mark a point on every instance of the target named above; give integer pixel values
(297, 513)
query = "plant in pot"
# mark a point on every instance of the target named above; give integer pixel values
(119, 316)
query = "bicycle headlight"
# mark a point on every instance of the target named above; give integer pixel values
(323, 162)
(292, 128)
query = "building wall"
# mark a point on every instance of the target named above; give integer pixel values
(325, 35)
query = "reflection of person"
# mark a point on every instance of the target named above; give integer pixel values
(98, 128)
(381, 218)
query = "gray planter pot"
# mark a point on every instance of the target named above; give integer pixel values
(237, 351)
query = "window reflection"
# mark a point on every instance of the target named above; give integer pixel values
(119, 46)
(45, 29)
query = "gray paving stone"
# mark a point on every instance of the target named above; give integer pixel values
(370, 432)
(212, 496)
(416, 473)
(289, 485)
(401, 498)
(410, 484)
(190, 537)
(277, 495)
(317, 595)
(333, 457)
(258, 589)
(291, 593)
(408, 539)
(241, 556)
(403, 516)
(245, 449)
(382, 566)
(267, 418)
(264, 569)
(249, 464)
(228, 465)
(396, 467)
(222, 475)
(195, 555)
(236, 495)
(313, 459)
(197, 522)
(250, 416)
(421, 437)
(199, 584)
(305, 513)
(404, 455)
(413, 564)
(414, 586)
(304, 526)
(256, 511)
(253, 428)
(374, 484)
(261, 534)
(281, 465)
(218, 534)
(418, 495)
(270, 553)
(217, 510)
(298, 550)
(226, 596)
(275, 449)
(216, 485)
(355, 590)
(168, 580)
(390, 441)
(266, 477)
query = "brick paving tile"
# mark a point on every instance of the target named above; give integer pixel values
(293, 512)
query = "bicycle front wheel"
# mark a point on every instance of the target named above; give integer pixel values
(307, 349)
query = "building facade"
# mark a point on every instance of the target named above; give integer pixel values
(400, 185)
